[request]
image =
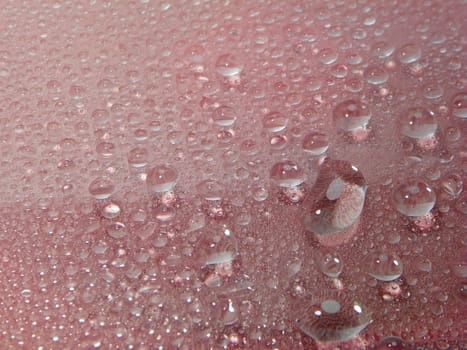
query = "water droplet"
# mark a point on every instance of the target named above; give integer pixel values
(274, 122)
(161, 178)
(116, 230)
(338, 197)
(382, 49)
(376, 75)
(330, 264)
(224, 116)
(413, 198)
(351, 115)
(327, 56)
(418, 123)
(334, 318)
(210, 190)
(392, 343)
(138, 157)
(287, 174)
(105, 149)
(111, 210)
(459, 105)
(315, 143)
(409, 53)
(432, 91)
(228, 65)
(101, 188)
(383, 266)
(452, 185)
(260, 194)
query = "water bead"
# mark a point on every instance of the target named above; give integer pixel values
(383, 266)
(337, 198)
(351, 115)
(315, 143)
(101, 188)
(413, 198)
(161, 178)
(418, 122)
(287, 174)
(459, 105)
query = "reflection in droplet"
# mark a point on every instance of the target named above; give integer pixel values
(418, 122)
(409, 53)
(333, 317)
(413, 198)
(338, 197)
(315, 143)
(287, 174)
(224, 116)
(228, 65)
(101, 188)
(274, 122)
(351, 115)
(161, 178)
(383, 266)
(459, 105)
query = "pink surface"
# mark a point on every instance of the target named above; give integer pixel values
(203, 99)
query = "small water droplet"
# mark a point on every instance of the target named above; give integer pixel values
(459, 105)
(392, 343)
(228, 65)
(376, 75)
(161, 178)
(274, 122)
(414, 198)
(382, 49)
(418, 123)
(287, 174)
(101, 188)
(351, 115)
(111, 210)
(409, 53)
(116, 230)
(452, 185)
(330, 264)
(383, 266)
(315, 143)
(138, 157)
(224, 116)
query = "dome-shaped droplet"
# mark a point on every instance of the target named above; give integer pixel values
(459, 105)
(334, 317)
(383, 266)
(210, 190)
(452, 184)
(337, 198)
(274, 122)
(418, 122)
(414, 198)
(330, 264)
(138, 157)
(111, 210)
(161, 178)
(409, 53)
(101, 188)
(224, 116)
(287, 174)
(382, 49)
(116, 230)
(376, 75)
(228, 65)
(392, 343)
(351, 114)
(315, 143)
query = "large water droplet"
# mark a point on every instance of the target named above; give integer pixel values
(334, 317)
(315, 143)
(383, 266)
(418, 122)
(413, 198)
(351, 115)
(338, 197)
(161, 178)
(287, 174)
(459, 105)
(228, 65)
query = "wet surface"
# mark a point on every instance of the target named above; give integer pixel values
(233, 175)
